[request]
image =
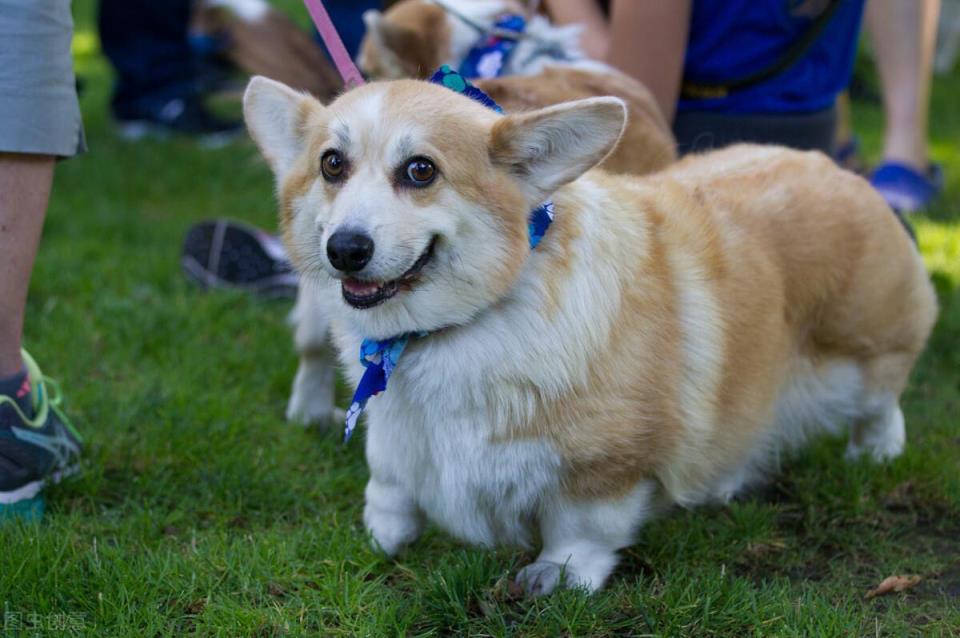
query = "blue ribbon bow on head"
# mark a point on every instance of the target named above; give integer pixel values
(380, 357)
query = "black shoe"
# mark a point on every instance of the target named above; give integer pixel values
(180, 116)
(228, 254)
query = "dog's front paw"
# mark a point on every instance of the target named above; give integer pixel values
(391, 532)
(306, 411)
(540, 578)
(877, 451)
(311, 399)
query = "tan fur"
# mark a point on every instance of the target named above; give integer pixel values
(804, 258)
(632, 411)
(417, 35)
(647, 144)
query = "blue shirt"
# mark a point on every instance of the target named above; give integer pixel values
(731, 39)
(347, 17)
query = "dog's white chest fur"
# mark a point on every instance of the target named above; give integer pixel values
(437, 442)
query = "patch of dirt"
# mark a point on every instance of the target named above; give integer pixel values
(945, 584)
(633, 564)
(816, 546)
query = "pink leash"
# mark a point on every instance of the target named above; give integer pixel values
(341, 59)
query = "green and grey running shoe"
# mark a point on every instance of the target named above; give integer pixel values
(35, 450)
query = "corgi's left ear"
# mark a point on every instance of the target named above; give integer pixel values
(274, 114)
(550, 147)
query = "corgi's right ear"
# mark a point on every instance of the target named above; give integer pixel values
(393, 44)
(552, 146)
(274, 114)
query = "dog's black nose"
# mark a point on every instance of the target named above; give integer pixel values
(349, 250)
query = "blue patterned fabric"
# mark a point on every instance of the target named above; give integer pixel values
(488, 58)
(445, 76)
(540, 220)
(380, 357)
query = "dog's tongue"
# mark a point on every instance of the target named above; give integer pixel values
(360, 288)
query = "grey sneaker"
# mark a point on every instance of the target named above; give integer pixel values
(35, 450)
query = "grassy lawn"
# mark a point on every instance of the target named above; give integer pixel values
(201, 511)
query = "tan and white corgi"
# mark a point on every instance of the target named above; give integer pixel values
(668, 338)
(415, 37)
(411, 39)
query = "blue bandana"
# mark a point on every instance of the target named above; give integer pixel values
(488, 58)
(380, 357)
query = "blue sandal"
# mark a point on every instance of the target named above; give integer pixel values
(906, 189)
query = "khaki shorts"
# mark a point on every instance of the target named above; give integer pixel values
(39, 112)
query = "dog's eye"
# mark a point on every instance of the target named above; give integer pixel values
(420, 171)
(332, 165)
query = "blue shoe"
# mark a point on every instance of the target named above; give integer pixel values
(906, 189)
(35, 450)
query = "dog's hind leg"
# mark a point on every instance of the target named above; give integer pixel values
(880, 431)
(312, 397)
(581, 539)
(881, 434)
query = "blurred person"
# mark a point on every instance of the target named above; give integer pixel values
(904, 34)
(741, 70)
(39, 122)
(771, 71)
(157, 89)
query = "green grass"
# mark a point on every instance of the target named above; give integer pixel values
(199, 510)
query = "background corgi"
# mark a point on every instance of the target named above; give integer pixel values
(415, 37)
(665, 341)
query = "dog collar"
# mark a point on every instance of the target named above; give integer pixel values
(380, 357)
(489, 57)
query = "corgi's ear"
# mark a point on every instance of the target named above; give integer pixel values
(371, 22)
(274, 114)
(394, 45)
(550, 147)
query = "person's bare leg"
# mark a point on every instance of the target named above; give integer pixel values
(25, 182)
(648, 41)
(903, 33)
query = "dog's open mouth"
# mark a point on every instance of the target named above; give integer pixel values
(366, 294)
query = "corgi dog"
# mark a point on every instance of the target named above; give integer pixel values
(411, 39)
(667, 339)
(415, 37)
